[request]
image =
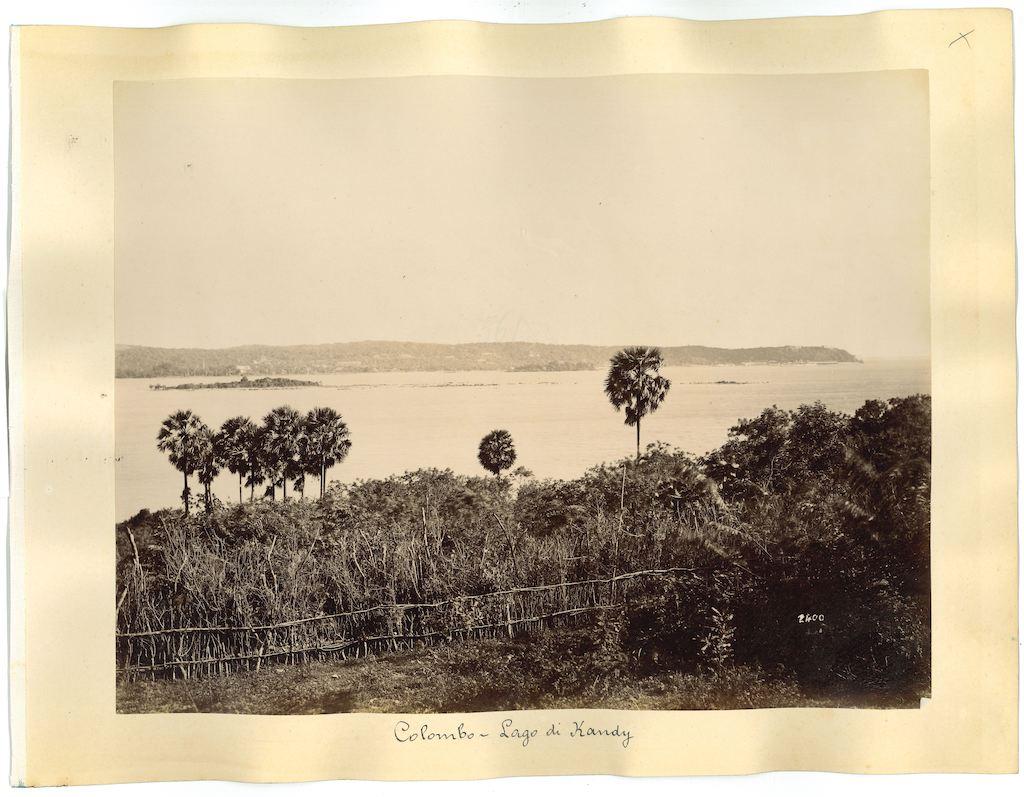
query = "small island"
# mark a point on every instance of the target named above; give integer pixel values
(559, 365)
(250, 384)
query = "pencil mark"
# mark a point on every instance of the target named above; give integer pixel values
(962, 36)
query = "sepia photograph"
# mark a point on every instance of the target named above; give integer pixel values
(453, 394)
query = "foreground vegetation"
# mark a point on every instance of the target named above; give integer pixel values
(809, 530)
(553, 669)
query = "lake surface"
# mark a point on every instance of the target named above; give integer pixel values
(561, 422)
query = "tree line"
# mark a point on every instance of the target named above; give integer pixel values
(288, 446)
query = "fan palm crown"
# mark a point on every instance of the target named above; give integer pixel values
(497, 451)
(232, 447)
(282, 427)
(326, 442)
(634, 383)
(180, 437)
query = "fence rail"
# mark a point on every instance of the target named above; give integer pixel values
(190, 652)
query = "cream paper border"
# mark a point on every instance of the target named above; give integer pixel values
(61, 353)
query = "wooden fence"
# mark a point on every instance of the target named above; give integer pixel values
(211, 650)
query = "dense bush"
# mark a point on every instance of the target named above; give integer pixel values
(836, 518)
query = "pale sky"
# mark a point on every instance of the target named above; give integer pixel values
(660, 209)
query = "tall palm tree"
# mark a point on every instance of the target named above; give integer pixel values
(208, 467)
(281, 429)
(179, 438)
(633, 383)
(232, 447)
(327, 442)
(497, 451)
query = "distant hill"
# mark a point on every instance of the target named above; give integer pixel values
(369, 356)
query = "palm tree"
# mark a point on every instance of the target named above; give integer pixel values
(281, 429)
(306, 464)
(232, 447)
(633, 382)
(256, 456)
(497, 451)
(297, 468)
(179, 438)
(327, 442)
(208, 466)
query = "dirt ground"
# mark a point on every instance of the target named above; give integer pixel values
(485, 675)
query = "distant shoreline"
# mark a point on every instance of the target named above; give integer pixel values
(390, 357)
(595, 368)
(257, 384)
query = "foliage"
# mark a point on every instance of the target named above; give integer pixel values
(325, 442)
(285, 447)
(634, 384)
(232, 448)
(663, 482)
(780, 452)
(180, 438)
(497, 451)
(281, 431)
(209, 464)
(836, 529)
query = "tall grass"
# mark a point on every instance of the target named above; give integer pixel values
(428, 537)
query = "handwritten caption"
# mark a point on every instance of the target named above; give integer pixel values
(508, 731)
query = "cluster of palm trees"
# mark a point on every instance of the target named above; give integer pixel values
(286, 447)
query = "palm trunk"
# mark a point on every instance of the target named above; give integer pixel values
(252, 492)
(184, 493)
(239, 489)
(284, 489)
(323, 476)
(638, 439)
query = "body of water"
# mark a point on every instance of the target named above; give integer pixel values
(561, 422)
